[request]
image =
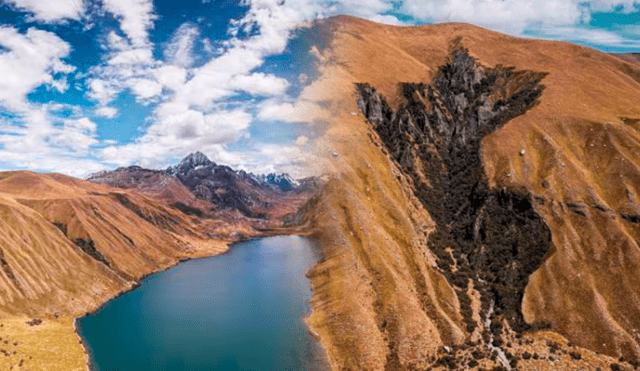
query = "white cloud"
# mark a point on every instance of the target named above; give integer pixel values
(33, 141)
(177, 132)
(627, 6)
(180, 49)
(145, 89)
(132, 57)
(136, 18)
(101, 90)
(43, 146)
(106, 112)
(51, 10)
(514, 16)
(585, 35)
(171, 77)
(509, 15)
(74, 137)
(259, 84)
(30, 60)
(300, 111)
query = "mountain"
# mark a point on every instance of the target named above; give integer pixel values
(193, 161)
(280, 182)
(70, 244)
(482, 208)
(198, 183)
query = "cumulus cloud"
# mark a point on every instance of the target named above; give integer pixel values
(300, 111)
(145, 89)
(106, 112)
(136, 18)
(41, 145)
(30, 60)
(509, 15)
(51, 10)
(589, 35)
(36, 139)
(514, 16)
(179, 131)
(171, 77)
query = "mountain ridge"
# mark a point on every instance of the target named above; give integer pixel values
(219, 185)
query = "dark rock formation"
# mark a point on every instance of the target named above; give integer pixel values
(495, 237)
(219, 184)
(8, 271)
(161, 220)
(89, 247)
(228, 188)
(191, 162)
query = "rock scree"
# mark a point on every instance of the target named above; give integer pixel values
(492, 237)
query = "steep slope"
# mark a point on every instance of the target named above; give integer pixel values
(469, 165)
(70, 244)
(66, 247)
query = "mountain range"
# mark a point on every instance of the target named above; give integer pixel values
(196, 179)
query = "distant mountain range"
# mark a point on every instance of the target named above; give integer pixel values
(630, 57)
(221, 186)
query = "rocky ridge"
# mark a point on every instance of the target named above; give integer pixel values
(220, 186)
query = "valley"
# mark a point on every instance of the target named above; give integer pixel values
(70, 245)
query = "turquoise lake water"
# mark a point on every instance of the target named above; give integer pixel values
(242, 310)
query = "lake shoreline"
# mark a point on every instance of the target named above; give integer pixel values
(134, 285)
(319, 346)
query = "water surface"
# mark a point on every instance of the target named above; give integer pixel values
(242, 310)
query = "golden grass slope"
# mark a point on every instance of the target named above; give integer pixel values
(45, 216)
(379, 300)
(45, 274)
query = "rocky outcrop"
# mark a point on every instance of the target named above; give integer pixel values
(491, 237)
(191, 162)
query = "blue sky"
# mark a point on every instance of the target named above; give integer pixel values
(96, 84)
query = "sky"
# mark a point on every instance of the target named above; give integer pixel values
(89, 85)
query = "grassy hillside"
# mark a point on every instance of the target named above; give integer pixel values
(383, 300)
